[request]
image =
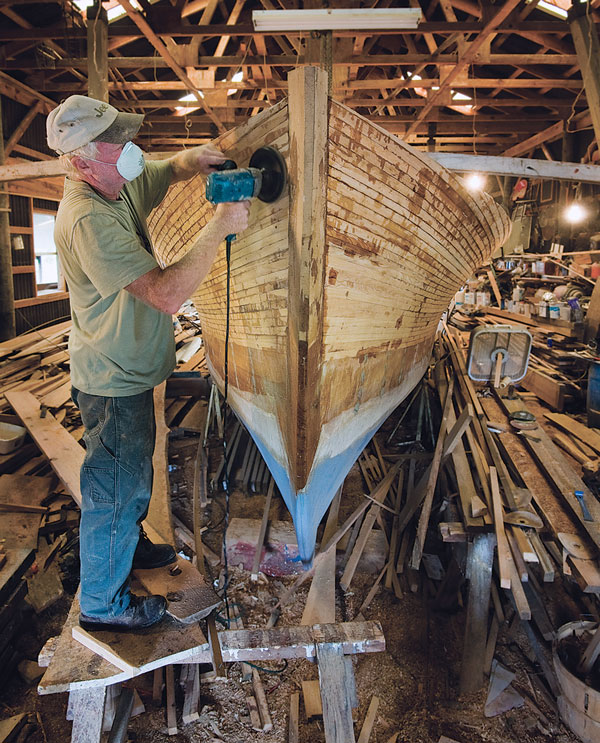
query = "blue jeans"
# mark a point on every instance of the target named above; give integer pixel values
(116, 484)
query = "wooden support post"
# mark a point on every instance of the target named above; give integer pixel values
(7, 294)
(585, 38)
(431, 482)
(481, 556)
(97, 48)
(171, 711)
(293, 732)
(320, 604)
(505, 561)
(88, 713)
(261, 536)
(336, 679)
(159, 511)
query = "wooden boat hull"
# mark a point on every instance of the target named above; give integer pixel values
(336, 289)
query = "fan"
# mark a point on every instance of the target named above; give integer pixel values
(499, 353)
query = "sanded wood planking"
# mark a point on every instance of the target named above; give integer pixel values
(371, 210)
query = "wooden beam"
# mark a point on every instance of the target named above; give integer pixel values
(374, 83)
(22, 93)
(160, 47)
(22, 127)
(129, 31)
(97, 49)
(290, 60)
(585, 38)
(518, 166)
(546, 135)
(466, 59)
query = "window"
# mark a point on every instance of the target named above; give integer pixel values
(47, 273)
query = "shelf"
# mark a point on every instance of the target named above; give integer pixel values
(43, 299)
(23, 269)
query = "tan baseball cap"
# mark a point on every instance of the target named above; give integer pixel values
(80, 120)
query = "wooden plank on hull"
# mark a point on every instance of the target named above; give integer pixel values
(308, 125)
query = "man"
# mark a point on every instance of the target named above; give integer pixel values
(122, 343)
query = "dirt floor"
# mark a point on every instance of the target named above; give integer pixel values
(416, 678)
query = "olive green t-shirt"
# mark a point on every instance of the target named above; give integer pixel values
(119, 345)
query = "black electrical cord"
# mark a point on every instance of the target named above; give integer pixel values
(229, 239)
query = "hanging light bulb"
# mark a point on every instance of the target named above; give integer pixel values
(575, 213)
(475, 181)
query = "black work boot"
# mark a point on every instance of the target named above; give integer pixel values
(142, 612)
(148, 555)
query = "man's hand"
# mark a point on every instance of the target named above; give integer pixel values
(207, 157)
(199, 160)
(232, 217)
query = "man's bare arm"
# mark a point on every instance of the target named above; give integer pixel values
(166, 289)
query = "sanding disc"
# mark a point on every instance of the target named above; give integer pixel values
(524, 425)
(576, 546)
(524, 518)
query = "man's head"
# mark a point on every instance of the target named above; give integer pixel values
(91, 135)
(80, 120)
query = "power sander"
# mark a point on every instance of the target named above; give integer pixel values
(264, 178)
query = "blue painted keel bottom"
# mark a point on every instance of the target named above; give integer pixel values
(308, 506)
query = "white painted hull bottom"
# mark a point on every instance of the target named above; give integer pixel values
(340, 444)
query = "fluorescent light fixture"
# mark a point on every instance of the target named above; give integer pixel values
(359, 19)
(575, 213)
(555, 10)
(474, 182)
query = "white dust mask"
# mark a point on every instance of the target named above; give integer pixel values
(130, 163)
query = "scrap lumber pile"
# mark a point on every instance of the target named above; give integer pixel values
(536, 481)
(558, 363)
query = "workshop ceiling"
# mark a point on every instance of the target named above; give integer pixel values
(490, 78)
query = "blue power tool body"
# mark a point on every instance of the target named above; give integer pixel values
(265, 178)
